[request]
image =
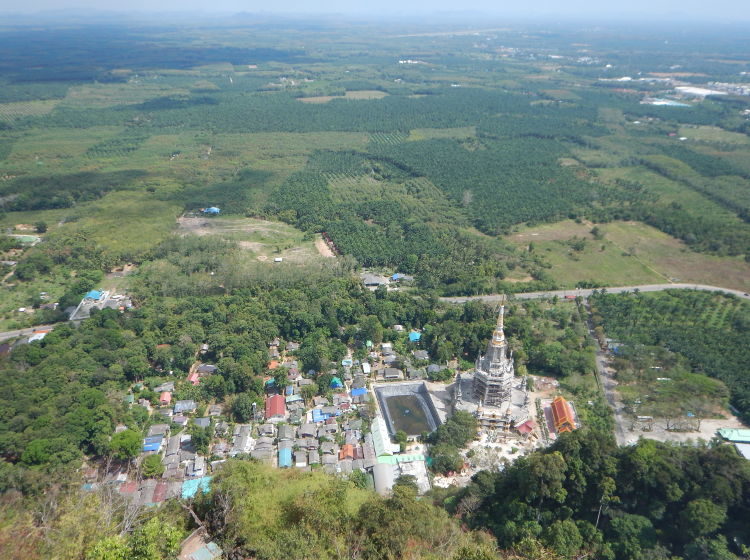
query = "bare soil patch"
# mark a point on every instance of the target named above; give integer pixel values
(706, 432)
(561, 231)
(215, 226)
(323, 249)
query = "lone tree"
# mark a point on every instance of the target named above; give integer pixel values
(125, 445)
(152, 467)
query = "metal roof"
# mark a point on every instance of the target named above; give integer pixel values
(285, 457)
(735, 435)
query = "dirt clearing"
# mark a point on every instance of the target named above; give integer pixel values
(323, 249)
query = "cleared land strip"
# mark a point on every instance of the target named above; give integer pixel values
(612, 290)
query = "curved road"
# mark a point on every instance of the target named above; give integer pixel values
(586, 292)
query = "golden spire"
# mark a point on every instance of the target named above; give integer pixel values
(498, 337)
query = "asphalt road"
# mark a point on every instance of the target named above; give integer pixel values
(612, 290)
(24, 332)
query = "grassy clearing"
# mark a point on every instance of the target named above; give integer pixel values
(365, 94)
(56, 150)
(263, 239)
(672, 258)
(126, 221)
(598, 261)
(50, 217)
(629, 253)
(318, 99)
(713, 134)
(17, 295)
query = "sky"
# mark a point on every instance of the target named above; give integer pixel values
(647, 10)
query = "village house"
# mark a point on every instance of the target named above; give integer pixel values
(267, 430)
(307, 430)
(168, 386)
(185, 406)
(276, 409)
(158, 430)
(300, 459)
(392, 374)
(313, 457)
(286, 432)
(204, 422)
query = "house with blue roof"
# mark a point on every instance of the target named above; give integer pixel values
(336, 383)
(212, 210)
(398, 277)
(94, 295)
(152, 444)
(415, 336)
(285, 458)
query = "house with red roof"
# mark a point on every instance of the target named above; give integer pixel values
(276, 408)
(347, 452)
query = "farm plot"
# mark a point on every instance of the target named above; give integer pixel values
(17, 110)
(110, 95)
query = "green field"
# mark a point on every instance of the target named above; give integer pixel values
(628, 253)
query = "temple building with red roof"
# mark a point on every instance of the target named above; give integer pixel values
(562, 415)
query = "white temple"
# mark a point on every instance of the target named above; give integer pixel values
(492, 392)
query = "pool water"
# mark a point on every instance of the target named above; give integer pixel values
(408, 414)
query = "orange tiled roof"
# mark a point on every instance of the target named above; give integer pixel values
(562, 416)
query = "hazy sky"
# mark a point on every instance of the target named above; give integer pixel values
(697, 10)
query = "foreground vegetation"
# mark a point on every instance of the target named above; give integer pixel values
(585, 496)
